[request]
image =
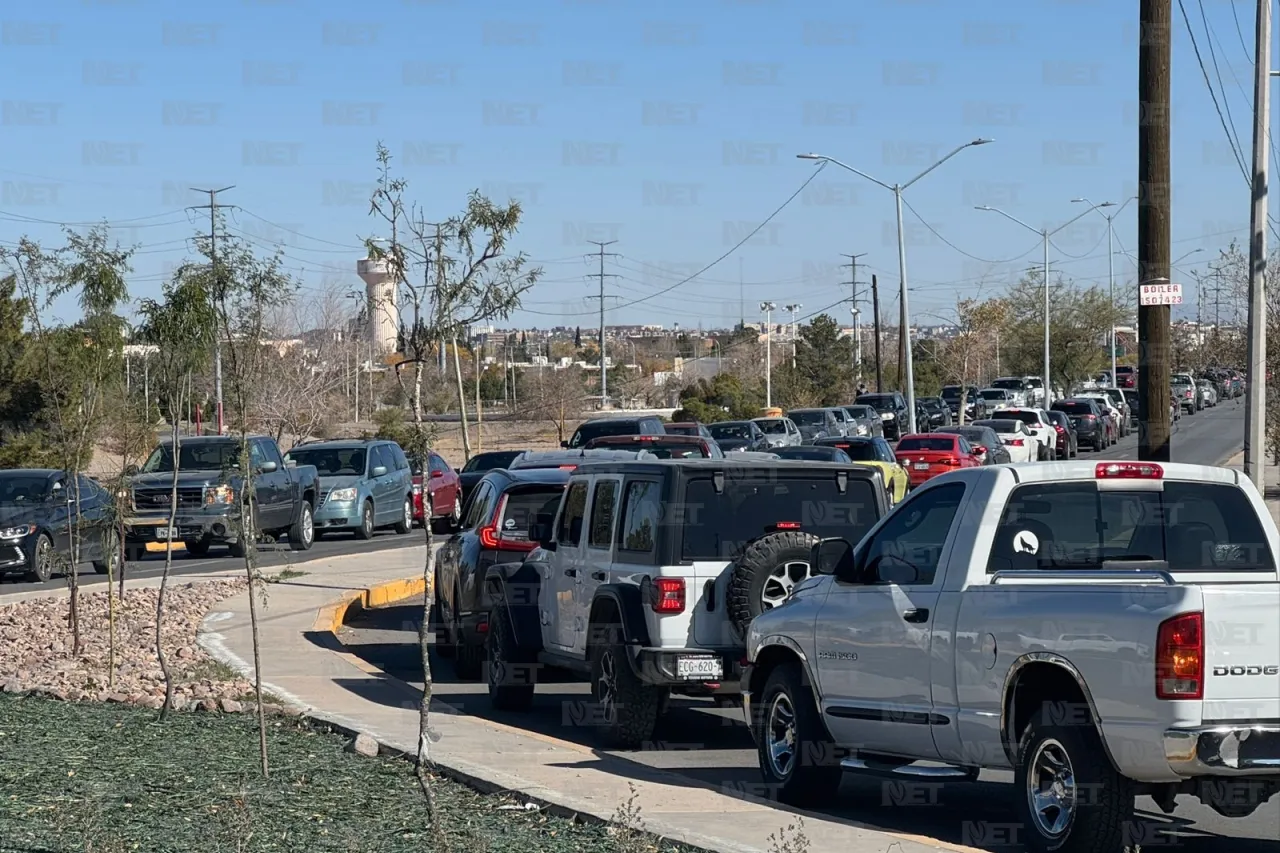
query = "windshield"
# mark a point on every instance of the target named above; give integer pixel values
(994, 394)
(1009, 384)
(1195, 527)
(772, 427)
(18, 489)
(682, 429)
(941, 445)
(1116, 396)
(719, 526)
(588, 431)
(879, 402)
(809, 418)
(931, 403)
(199, 456)
(1004, 427)
(973, 436)
(331, 461)
(864, 412)
(730, 431)
(490, 461)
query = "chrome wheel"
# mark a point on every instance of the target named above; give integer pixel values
(1051, 789)
(606, 687)
(780, 736)
(366, 519)
(455, 518)
(408, 512)
(44, 558)
(781, 581)
(308, 524)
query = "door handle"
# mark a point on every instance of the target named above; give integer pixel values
(916, 615)
(573, 573)
(599, 576)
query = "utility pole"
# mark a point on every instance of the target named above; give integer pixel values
(768, 308)
(857, 313)
(794, 308)
(1154, 51)
(213, 265)
(903, 348)
(742, 297)
(875, 309)
(604, 369)
(1255, 416)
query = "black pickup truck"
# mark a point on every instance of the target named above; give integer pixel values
(210, 496)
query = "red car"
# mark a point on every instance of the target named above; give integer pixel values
(927, 455)
(1126, 377)
(441, 484)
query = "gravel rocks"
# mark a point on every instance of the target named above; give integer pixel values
(36, 646)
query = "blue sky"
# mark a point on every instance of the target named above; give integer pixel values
(668, 126)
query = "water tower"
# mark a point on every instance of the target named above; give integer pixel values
(384, 309)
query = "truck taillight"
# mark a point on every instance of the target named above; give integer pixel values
(1128, 471)
(1180, 657)
(668, 596)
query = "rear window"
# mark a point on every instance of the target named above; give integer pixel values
(859, 451)
(993, 394)
(490, 461)
(813, 454)
(1009, 384)
(772, 427)
(524, 505)
(682, 429)
(879, 402)
(945, 445)
(1195, 527)
(1026, 417)
(1004, 426)
(730, 431)
(588, 431)
(719, 526)
(1074, 408)
(808, 418)
(674, 449)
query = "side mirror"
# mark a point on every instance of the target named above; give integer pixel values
(437, 474)
(540, 531)
(268, 467)
(379, 471)
(564, 444)
(833, 556)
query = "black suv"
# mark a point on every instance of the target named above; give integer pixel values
(892, 407)
(599, 427)
(503, 506)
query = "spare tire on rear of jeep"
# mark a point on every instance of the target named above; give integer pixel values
(766, 572)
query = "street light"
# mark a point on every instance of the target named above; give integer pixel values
(897, 190)
(1111, 266)
(1045, 234)
(794, 309)
(857, 345)
(768, 308)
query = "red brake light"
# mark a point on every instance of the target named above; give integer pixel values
(1090, 418)
(1059, 427)
(786, 525)
(492, 539)
(1017, 442)
(567, 467)
(1180, 657)
(668, 596)
(646, 438)
(1128, 471)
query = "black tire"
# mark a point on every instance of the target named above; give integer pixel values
(753, 571)
(435, 622)
(110, 547)
(302, 535)
(627, 708)
(42, 558)
(1103, 798)
(812, 776)
(197, 547)
(509, 669)
(365, 530)
(405, 524)
(237, 549)
(468, 660)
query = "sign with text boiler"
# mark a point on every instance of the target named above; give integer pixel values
(1160, 293)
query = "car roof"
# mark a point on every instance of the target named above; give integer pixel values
(549, 476)
(335, 443)
(577, 456)
(812, 409)
(614, 419)
(691, 440)
(212, 439)
(727, 423)
(666, 466)
(32, 472)
(921, 435)
(830, 440)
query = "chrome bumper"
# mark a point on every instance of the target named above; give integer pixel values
(1241, 750)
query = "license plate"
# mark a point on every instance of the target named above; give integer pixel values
(700, 669)
(922, 466)
(163, 533)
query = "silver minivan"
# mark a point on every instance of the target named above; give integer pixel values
(364, 485)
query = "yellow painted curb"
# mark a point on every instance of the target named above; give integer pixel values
(332, 616)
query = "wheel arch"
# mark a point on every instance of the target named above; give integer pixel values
(623, 602)
(1037, 677)
(775, 651)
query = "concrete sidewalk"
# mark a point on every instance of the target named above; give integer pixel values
(304, 663)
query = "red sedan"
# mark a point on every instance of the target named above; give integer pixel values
(927, 456)
(441, 485)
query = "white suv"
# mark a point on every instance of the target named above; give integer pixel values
(1039, 425)
(650, 573)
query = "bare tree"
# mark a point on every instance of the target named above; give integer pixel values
(977, 321)
(183, 328)
(557, 396)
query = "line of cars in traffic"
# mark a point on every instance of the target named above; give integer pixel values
(1072, 622)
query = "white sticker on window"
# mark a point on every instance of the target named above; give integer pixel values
(1026, 542)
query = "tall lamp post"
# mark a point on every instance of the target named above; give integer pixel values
(1111, 266)
(897, 190)
(768, 308)
(794, 308)
(1045, 234)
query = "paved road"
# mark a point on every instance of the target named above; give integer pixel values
(1210, 437)
(710, 745)
(268, 555)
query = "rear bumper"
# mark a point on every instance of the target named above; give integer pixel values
(1228, 750)
(657, 667)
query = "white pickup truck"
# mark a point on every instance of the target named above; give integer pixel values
(1103, 629)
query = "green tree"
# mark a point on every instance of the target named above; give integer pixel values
(825, 361)
(1080, 319)
(721, 398)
